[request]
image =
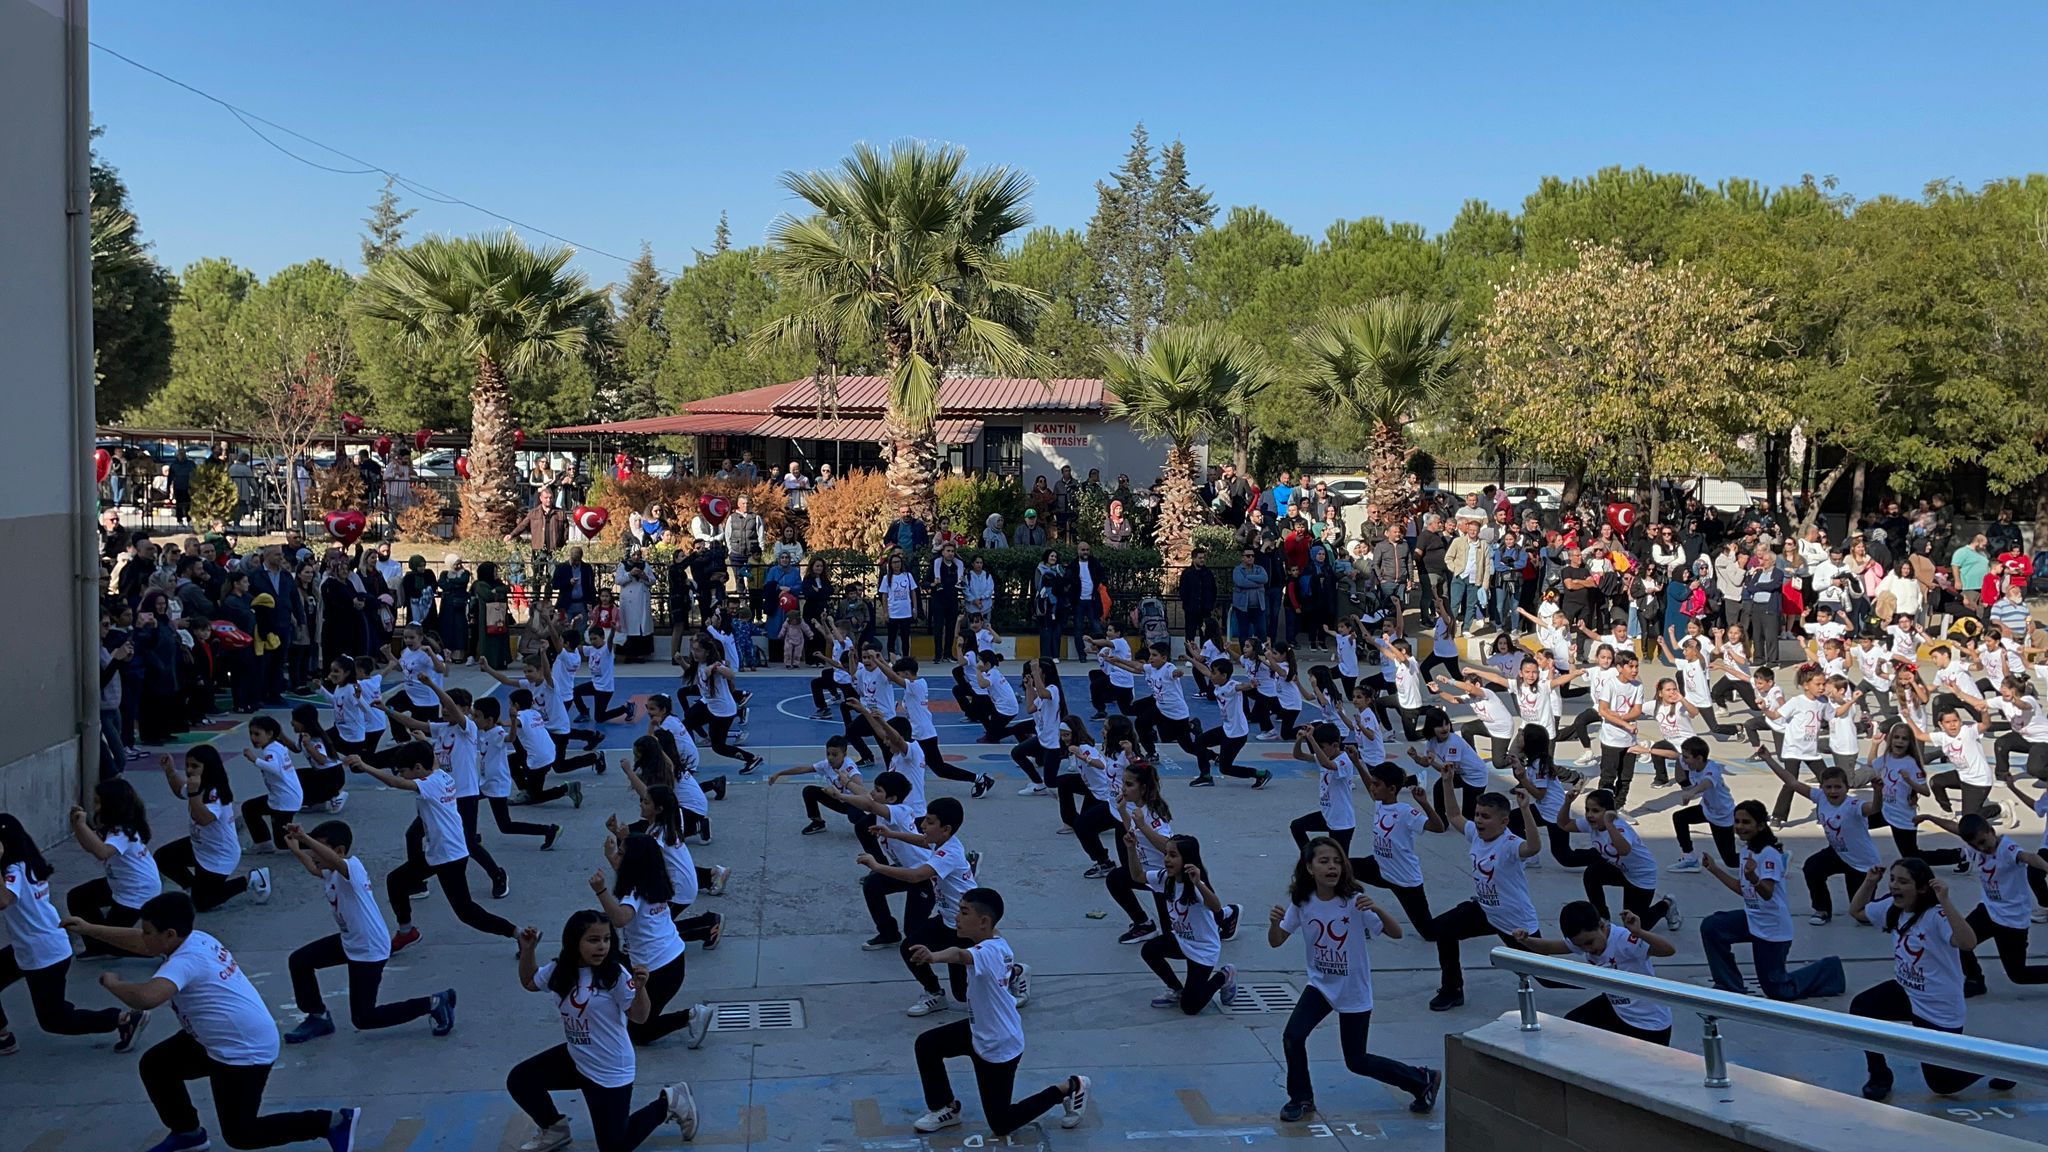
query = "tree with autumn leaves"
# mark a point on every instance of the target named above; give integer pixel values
(1633, 373)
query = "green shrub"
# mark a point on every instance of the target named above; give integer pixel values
(966, 504)
(214, 496)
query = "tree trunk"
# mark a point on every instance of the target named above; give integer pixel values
(490, 499)
(1386, 491)
(1180, 509)
(1856, 483)
(1574, 484)
(1821, 491)
(913, 472)
(1241, 447)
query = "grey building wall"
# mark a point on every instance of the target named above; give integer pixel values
(43, 446)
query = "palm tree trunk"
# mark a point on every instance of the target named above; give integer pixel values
(490, 499)
(1386, 493)
(913, 473)
(1180, 509)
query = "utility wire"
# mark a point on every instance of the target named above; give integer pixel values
(249, 120)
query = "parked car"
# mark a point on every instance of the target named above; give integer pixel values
(1547, 496)
(438, 464)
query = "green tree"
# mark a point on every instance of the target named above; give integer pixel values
(905, 248)
(1181, 388)
(385, 226)
(1056, 264)
(509, 308)
(132, 297)
(1227, 265)
(642, 338)
(721, 240)
(1119, 244)
(1179, 211)
(1378, 367)
(712, 309)
(1630, 371)
(209, 386)
(1644, 214)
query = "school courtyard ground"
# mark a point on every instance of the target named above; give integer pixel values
(812, 1049)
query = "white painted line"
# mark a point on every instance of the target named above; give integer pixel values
(1245, 1134)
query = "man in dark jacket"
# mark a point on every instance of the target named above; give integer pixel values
(1430, 545)
(272, 579)
(575, 586)
(1197, 593)
(1084, 581)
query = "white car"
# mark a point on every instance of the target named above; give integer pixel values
(1547, 496)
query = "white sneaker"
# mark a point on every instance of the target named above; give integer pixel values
(1020, 983)
(926, 1005)
(1672, 919)
(2041, 915)
(947, 1117)
(1588, 760)
(339, 802)
(1687, 864)
(259, 885)
(682, 1108)
(700, 1024)
(548, 1139)
(720, 874)
(1027, 790)
(1076, 1103)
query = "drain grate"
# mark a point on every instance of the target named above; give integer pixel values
(1262, 998)
(757, 1015)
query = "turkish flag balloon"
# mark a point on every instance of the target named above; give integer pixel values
(421, 439)
(462, 467)
(519, 438)
(1621, 516)
(714, 509)
(382, 447)
(351, 423)
(102, 463)
(590, 520)
(346, 526)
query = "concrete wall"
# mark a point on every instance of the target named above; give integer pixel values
(41, 455)
(1569, 1088)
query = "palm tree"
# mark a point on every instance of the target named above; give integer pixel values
(1379, 365)
(905, 247)
(1182, 387)
(512, 308)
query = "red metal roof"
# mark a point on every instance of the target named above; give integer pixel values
(863, 429)
(962, 399)
(683, 424)
(958, 395)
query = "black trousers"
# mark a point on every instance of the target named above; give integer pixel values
(55, 1013)
(994, 1081)
(825, 683)
(256, 812)
(662, 985)
(935, 762)
(933, 934)
(2012, 950)
(1152, 724)
(1682, 822)
(1888, 1001)
(237, 1097)
(365, 978)
(1314, 824)
(1225, 757)
(1600, 876)
(1038, 762)
(501, 814)
(601, 708)
(1599, 1013)
(876, 889)
(1354, 1029)
(1465, 922)
(1202, 984)
(1781, 809)
(174, 861)
(1414, 899)
(1124, 891)
(618, 1126)
(1617, 770)
(454, 878)
(1819, 868)
(1907, 841)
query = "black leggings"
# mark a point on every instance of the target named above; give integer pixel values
(1036, 760)
(1888, 1001)
(721, 732)
(1414, 900)
(1411, 718)
(1124, 891)
(1823, 865)
(1448, 663)
(2011, 742)
(256, 812)
(1465, 922)
(935, 763)
(93, 902)
(1974, 795)
(1089, 822)
(1152, 724)
(1102, 693)
(618, 1126)
(174, 861)
(1202, 984)
(1682, 822)
(1315, 824)
(994, 1081)
(898, 641)
(1781, 809)
(365, 977)
(822, 684)
(1907, 841)
(933, 934)
(1561, 849)
(501, 813)
(601, 710)
(55, 1013)
(662, 985)
(532, 782)
(854, 727)
(1600, 876)
(454, 878)
(1617, 770)
(1353, 1029)
(237, 1097)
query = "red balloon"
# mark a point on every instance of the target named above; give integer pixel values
(590, 520)
(1621, 516)
(351, 423)
(346, 525)
(787, 601)
(382, 447)
(714, 508)
(102, 463)
(462, 466)
(518, 438)
(421, 438)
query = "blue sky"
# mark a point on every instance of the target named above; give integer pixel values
(616, 121)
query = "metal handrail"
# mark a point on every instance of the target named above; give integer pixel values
(1992, 1057)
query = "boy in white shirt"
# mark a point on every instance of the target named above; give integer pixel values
(446, 851)
(947, 869)
(1500, 903)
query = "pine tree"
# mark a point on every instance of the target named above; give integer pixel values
(642, 339)
(386, 225)
(1179, 209)
(1119, 245)
(721, 240)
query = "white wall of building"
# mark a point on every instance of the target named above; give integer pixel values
(42, 449)
(1110, 445)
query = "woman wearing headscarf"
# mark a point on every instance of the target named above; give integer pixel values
(1116, 527)
(992, 534)
(453, 618)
